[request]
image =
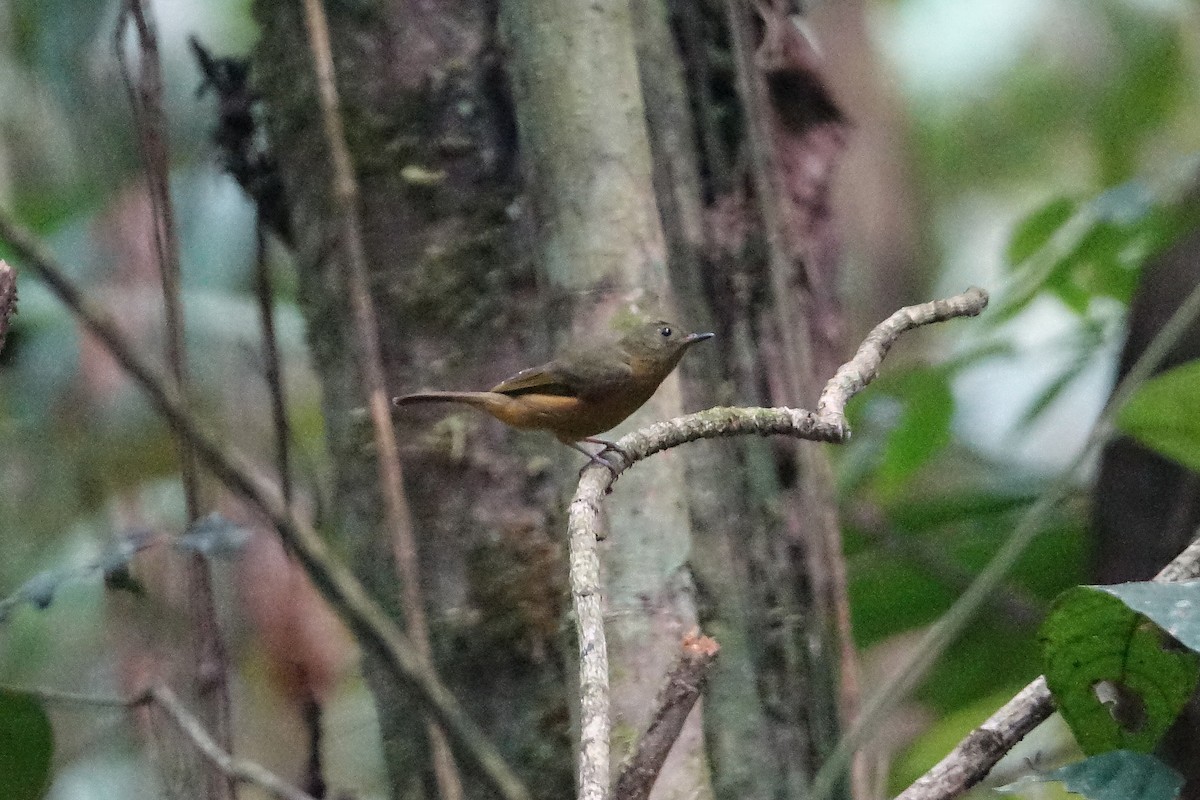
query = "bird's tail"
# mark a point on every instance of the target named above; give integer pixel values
(478, 399)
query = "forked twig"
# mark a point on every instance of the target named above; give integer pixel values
(827, 424)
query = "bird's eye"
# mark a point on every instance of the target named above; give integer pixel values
(665, 330)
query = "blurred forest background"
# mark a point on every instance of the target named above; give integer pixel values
(1037, 148)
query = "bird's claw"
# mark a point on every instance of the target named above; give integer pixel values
(615, 448)
(594, 458)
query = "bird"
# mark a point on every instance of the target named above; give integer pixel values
(586, 390)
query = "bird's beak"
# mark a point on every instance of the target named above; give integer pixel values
(692, 338)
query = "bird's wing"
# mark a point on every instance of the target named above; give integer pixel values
(566, 378)
(535, 380)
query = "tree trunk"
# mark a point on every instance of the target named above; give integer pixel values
(621, 209)
(432, 137)
(584, 136)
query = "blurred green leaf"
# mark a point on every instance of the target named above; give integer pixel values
(923, 428)
(1163, 414)
(26, 746)
(1114, 675)
(913, 411)
(969, 505)
(1118, 775)
(1145, 85)
(1080, 252)
(1034, 232)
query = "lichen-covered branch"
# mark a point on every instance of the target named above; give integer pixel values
(828, 424)
(856, 373)
(969, 762)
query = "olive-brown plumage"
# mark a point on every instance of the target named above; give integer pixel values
(586, 390)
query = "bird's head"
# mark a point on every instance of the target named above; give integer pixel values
(660, 341)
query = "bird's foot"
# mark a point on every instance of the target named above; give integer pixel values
(611, 447)
(597, 458)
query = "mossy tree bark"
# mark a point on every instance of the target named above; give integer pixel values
(621, 212)
(771, 704)
(731, 528)
(433, 142)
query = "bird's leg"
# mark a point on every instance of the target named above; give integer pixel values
(610, 446)
(594, 458)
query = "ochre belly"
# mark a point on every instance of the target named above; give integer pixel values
(568, 418)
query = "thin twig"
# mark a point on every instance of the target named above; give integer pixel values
(971, 760)
(583, 521)
(397, 516)
(314, 780)
(671, 709)
(8, 298)
(273, 369)
(370, 624)
(237, 769)
(73, 698)
(146, 101)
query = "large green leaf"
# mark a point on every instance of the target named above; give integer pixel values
(1116, 676)
(1174, 607)
(1119, 775)
(1164, 414)
(26, 745)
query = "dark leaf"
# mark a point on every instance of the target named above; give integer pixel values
(26, 747)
